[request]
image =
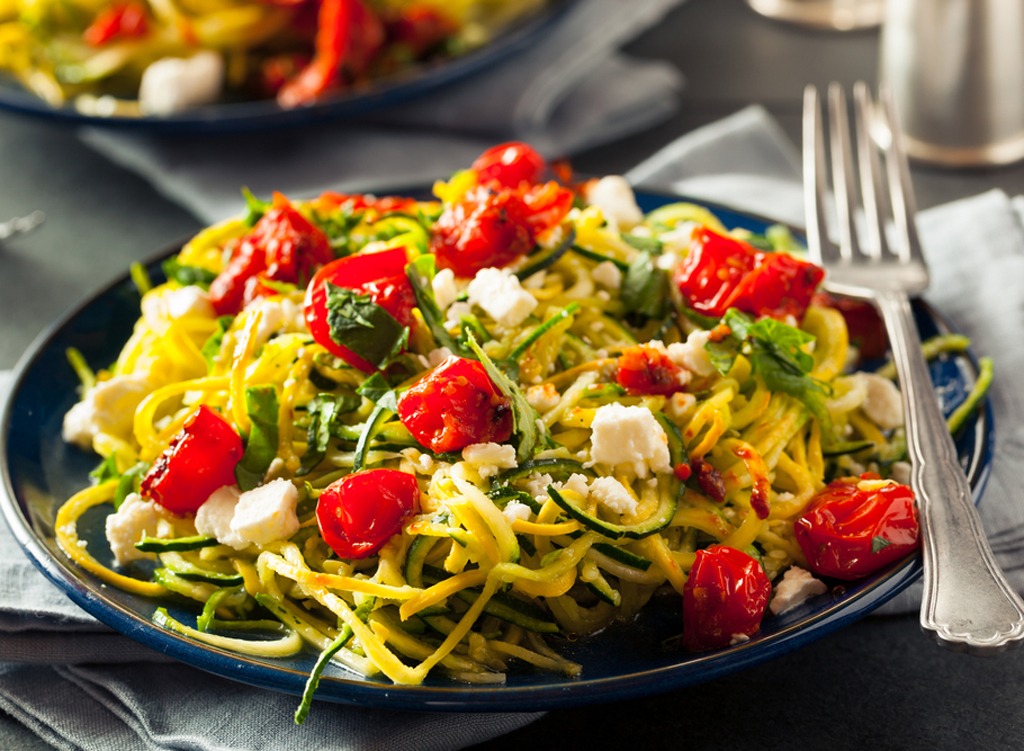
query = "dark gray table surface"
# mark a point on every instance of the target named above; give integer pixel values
(877, 684)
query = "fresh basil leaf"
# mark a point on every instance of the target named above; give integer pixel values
(324, 411)
(421, 272)
(650, 245)
(364, 327)
(211, 347)
(187, 275)
(129, 483)
(879, 544)
(106, 470)
(377, 389)
(255, 208)
(645, 287)
(261, 444)
(526, 424)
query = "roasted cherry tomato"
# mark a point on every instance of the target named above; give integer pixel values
(283, 246)
(200, 459)
(375, 205)
(646, 370)
(419, 29)
(865, 325)
(509, 165)
(348, 37)
(722, 272)
(126, 20)
(855, 526)
(724, 598)
(360, 512)
(546, 205)
(456, 405)
(486, 229)
(379, 275)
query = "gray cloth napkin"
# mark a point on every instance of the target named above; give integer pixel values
(56, 671)
(572, 90)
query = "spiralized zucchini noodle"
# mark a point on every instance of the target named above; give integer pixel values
(157, 57)
(596, 500)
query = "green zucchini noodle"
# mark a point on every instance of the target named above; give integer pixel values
(514, 548)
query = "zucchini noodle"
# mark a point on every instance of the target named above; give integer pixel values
(597, 506)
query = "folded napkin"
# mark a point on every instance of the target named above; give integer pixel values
(571, 90)
(79, 686)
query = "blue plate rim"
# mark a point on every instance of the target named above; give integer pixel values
(87, 592)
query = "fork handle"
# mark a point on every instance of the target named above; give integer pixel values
(968, 605)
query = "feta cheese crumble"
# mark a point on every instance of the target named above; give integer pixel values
(796, 586)
(500, 295)
(489, 458)
(266, 513)
(108, 407)
(613, 495)
(135, 518)
(630, 436)
(174, 84)
(614, 196)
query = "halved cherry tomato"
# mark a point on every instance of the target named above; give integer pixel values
(200, 459)
(646, 370)
(855, 526)
(509, 165)
(348, 37)
(725, 597)
(456, 405)
(546, 205)
(486, 229)
(379, 275)
(282, 246)
(721, 272)
(124, 20)
(359, 513)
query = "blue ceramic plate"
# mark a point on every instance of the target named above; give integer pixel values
(624, 661)
(261, 114)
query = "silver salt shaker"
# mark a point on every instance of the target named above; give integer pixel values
(956, 72)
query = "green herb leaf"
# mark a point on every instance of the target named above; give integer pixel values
(129, 483)
(364, 327)
(211, 347)
(650, 245)
(106, 470)
(377, 389)
(645, 287)
(879, 543)
(421, 272)
(255, 208)
(324, 411)
(187, 275)
(525, 423)
(261, 444)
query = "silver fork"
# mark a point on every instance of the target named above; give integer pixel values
(967, 605)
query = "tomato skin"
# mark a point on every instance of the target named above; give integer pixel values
(379, 275)
(456, 405)
(377, 205)
(282, 246)
(486, 229)
(725, 595)
(200, 459)
(646, 370)
(127, 20)
(359, 513)
(854, 527)
(721, 272)
(509, 165)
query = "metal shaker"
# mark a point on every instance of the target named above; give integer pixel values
(956, 72)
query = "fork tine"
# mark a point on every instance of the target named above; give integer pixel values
(901, 189)
(843, 183)
(872, 179)
(819, 247)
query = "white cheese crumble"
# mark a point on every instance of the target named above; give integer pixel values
(607, 274)
(614, 196)
(630, 436)
(108, 407)
(516, 510)
(489, 458)
(214, 517)
(882, 403)
(691, 353)
(444, 288)
(613, 495)
(499, 293)
(277, 316)
(796, 586)
(174, 84)
(266, 513)
(543, 397)
(134, 518)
